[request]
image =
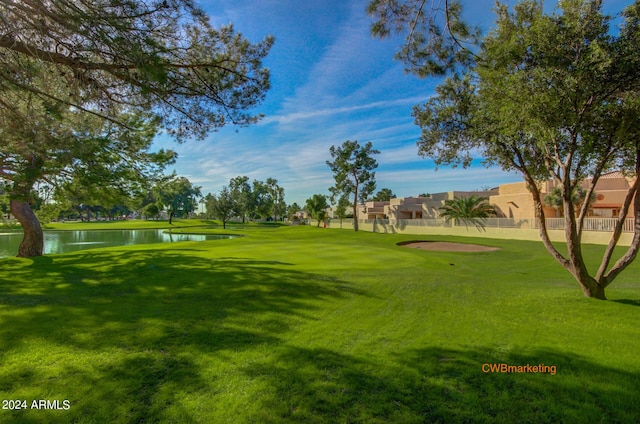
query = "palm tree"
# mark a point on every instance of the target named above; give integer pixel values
(578, 196)
(471, 209)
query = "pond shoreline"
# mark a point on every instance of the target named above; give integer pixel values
(65, 241)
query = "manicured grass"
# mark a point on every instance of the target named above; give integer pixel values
(300, 324)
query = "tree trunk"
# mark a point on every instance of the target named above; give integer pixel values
(596, 292)
(355, 208)
(170, 217)
(33, 240)
(355, 218)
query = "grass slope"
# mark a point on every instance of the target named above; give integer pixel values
(310, 325)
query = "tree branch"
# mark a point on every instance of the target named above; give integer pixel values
(630, 255)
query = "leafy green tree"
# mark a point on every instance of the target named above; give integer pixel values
(552, 96)
(384, 195)
(82, 199)
(148, 203)
(317, 206)
(261, 200)
(151, 211)
(341, 208)
(85, 85)
(4, 202)
(117, 211)
(49, 203)
(57, 145)
(267, 199)
(179, 196)
(223, 206)
(276, 194)
(353, 171)
(241, 192)
(48, 212)
(470, 210)
(95, 199)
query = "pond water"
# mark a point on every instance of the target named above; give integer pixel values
(71, 241)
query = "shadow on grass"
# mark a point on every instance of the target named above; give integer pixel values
(119, 332)
(125, 286)
(438, 385)
(128, 336)
(632, 302)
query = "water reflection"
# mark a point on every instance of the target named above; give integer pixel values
(70, 241)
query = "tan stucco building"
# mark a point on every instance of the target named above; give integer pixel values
(515, 201)
(511, 200)
(415, 207)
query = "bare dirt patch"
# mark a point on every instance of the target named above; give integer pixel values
(445, 246)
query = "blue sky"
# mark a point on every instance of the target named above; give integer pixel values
(331, 82)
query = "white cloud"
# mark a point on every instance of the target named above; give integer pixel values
(400, 155)
(331, 82)
(295, 117)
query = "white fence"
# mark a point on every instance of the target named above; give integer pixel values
(590, 224)
(594, 224)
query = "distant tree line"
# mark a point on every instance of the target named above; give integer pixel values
(173, 195)
(247, 201)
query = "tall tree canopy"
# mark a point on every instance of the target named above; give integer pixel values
(437, 40)
(276, 193)
(240, 191)
(261, 200)
(162, 55)
(353, 168)
(84, 86)
(553, 96)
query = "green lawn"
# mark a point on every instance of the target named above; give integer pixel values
(300, 324)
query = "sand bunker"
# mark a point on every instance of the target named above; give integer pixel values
(445, 246)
